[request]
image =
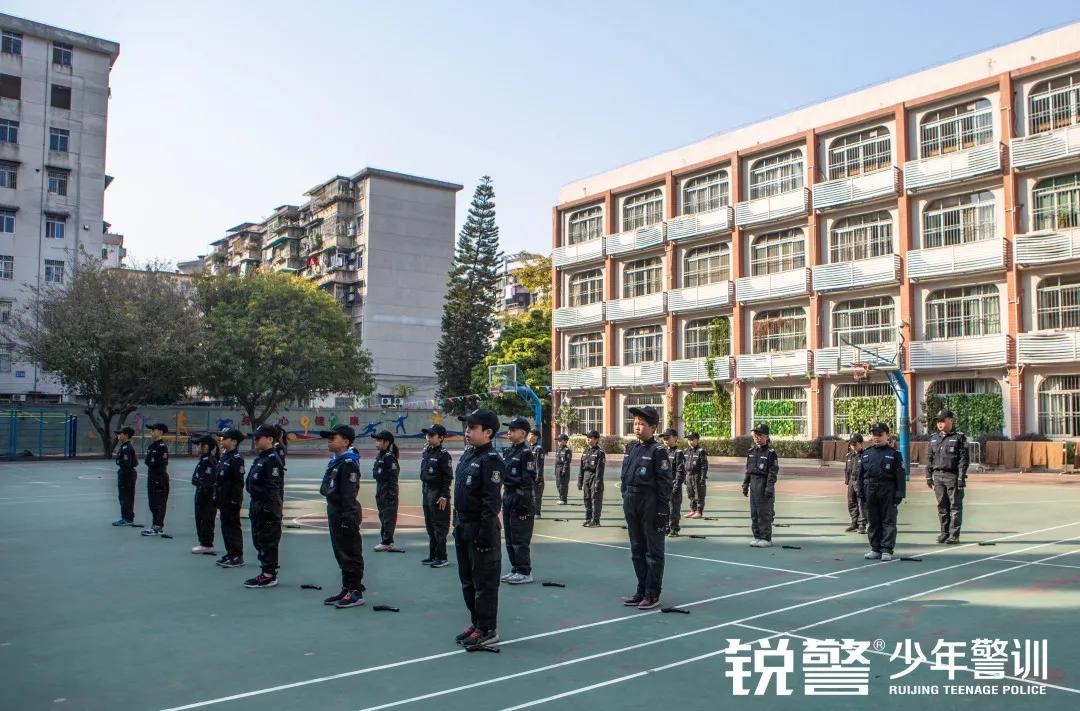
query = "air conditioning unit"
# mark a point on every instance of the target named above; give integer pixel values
(350, 229)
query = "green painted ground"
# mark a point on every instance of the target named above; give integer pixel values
(94, 617)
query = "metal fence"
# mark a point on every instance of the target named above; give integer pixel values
(38, 433)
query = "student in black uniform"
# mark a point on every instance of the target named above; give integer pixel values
(266, 507)
(882, 487)
(851, 470)
(646, 491)
(538, 457)
(229, 497)
(386, 469)
(157, 478)
(591, 479)
(759, 483)
(517, 512)
(436, 476)
(477, 499)
(563, 457)
(126, 474)
(697, 474)
(340, 486)
(203, 480)
(281, 446)
(946, 474)
(678, 468)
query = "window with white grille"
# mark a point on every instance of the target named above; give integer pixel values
(967, 311)
(54, 271)
(585, 225)
(696, 338)
(1059, 406)
(642, 210)
(706, 265)
(860, 153)
(55, 226)
(784, 410)
(7, 221)
(1055, 103)
(655, 400)
(956, 128)
(644, 344)
(5, 358)
(778, 252)
(7, 266)
(854, 391)
(6, 306)
(9, 131)
(779, 330)
(959, 219)
(642, 277)
(9, 173)
(586, 351)
(864, 321)
(590, 413)
(1057, 202)
(11, 42)
(586, 288)
(1059, 302)
(776, 175)
(964, 386)
(705, 193)
(861, 237)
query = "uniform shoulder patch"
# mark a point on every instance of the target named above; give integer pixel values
(352, 477)
(496, 477)
(531, 466)
(664, 464)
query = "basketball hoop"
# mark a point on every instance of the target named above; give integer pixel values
(494, 392)
(862, 371)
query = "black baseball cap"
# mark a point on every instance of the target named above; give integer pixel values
(564, 437)
(879, 428)
(265, 431)
(943, 414)
(384, 435)
(484, 417)
(670, 432)
(344, 430)
(693, 435)
(159, 426)
(647, 413)
(207, 439)
(535, 431)
(762, 429)
(594, 434)
(232, 433)
(435, 430)
(129, 431)
(518, 423)
(855, 439)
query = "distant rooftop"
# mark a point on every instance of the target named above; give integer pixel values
(76, 39)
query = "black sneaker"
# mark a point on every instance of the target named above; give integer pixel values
(851, 529)
(942, 537)
(262, 580)
(353, 598)
(333, 599)
(427, 561)
(634, 600)
(222, 559)
(673, 534)
(952, 540)
(234, 562)
(480, 638)
(439, 563)
(861, 531)
(465, 634)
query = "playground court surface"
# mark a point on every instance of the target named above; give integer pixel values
(94, 617)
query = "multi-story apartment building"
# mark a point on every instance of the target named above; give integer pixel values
(935, 218)
(381, 243)
(54, 97)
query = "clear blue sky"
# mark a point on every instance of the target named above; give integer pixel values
(222, 110)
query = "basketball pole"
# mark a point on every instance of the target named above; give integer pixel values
(900, 389)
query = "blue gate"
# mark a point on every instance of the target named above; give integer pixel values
(37, 433)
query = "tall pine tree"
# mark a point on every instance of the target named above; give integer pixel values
(471, 298)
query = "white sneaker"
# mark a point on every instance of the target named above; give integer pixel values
(753, 543)
(519, 579)
(381, 547)
(762, 543)
(873, 555)
(887, 556)
(562, 502)
(506, 577)
(202, 549)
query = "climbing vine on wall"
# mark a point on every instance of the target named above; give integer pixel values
(859, 413)
(708, 414)
(779, 414)
(976, 414)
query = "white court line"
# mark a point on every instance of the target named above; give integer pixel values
(1052, 565)
(62, 497)
(739, 623)
(919, 662)
(406, 662)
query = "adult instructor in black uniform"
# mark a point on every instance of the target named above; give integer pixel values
(946, 474)
(646, 492)
(126, 474)
(882, 486)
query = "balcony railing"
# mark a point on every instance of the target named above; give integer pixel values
(949, 168)
(592, 250)
(696, 370)
(830, 361)
(1047, 246)
(848, 191)
(774, 365)
(634, 240)
(1045, 147)
(860, 273)
(708, 296)
(579, 378)
(974, 352)
(978, 256)
(570, 316)
(1048, 347)
(700, 223)
(772, 286)
(635, 307)
(619, 376)
(775, 207)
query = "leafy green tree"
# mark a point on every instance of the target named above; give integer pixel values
(272, 338)
(115, 339)
(535, 276)
(526, 342)
(471, 297)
